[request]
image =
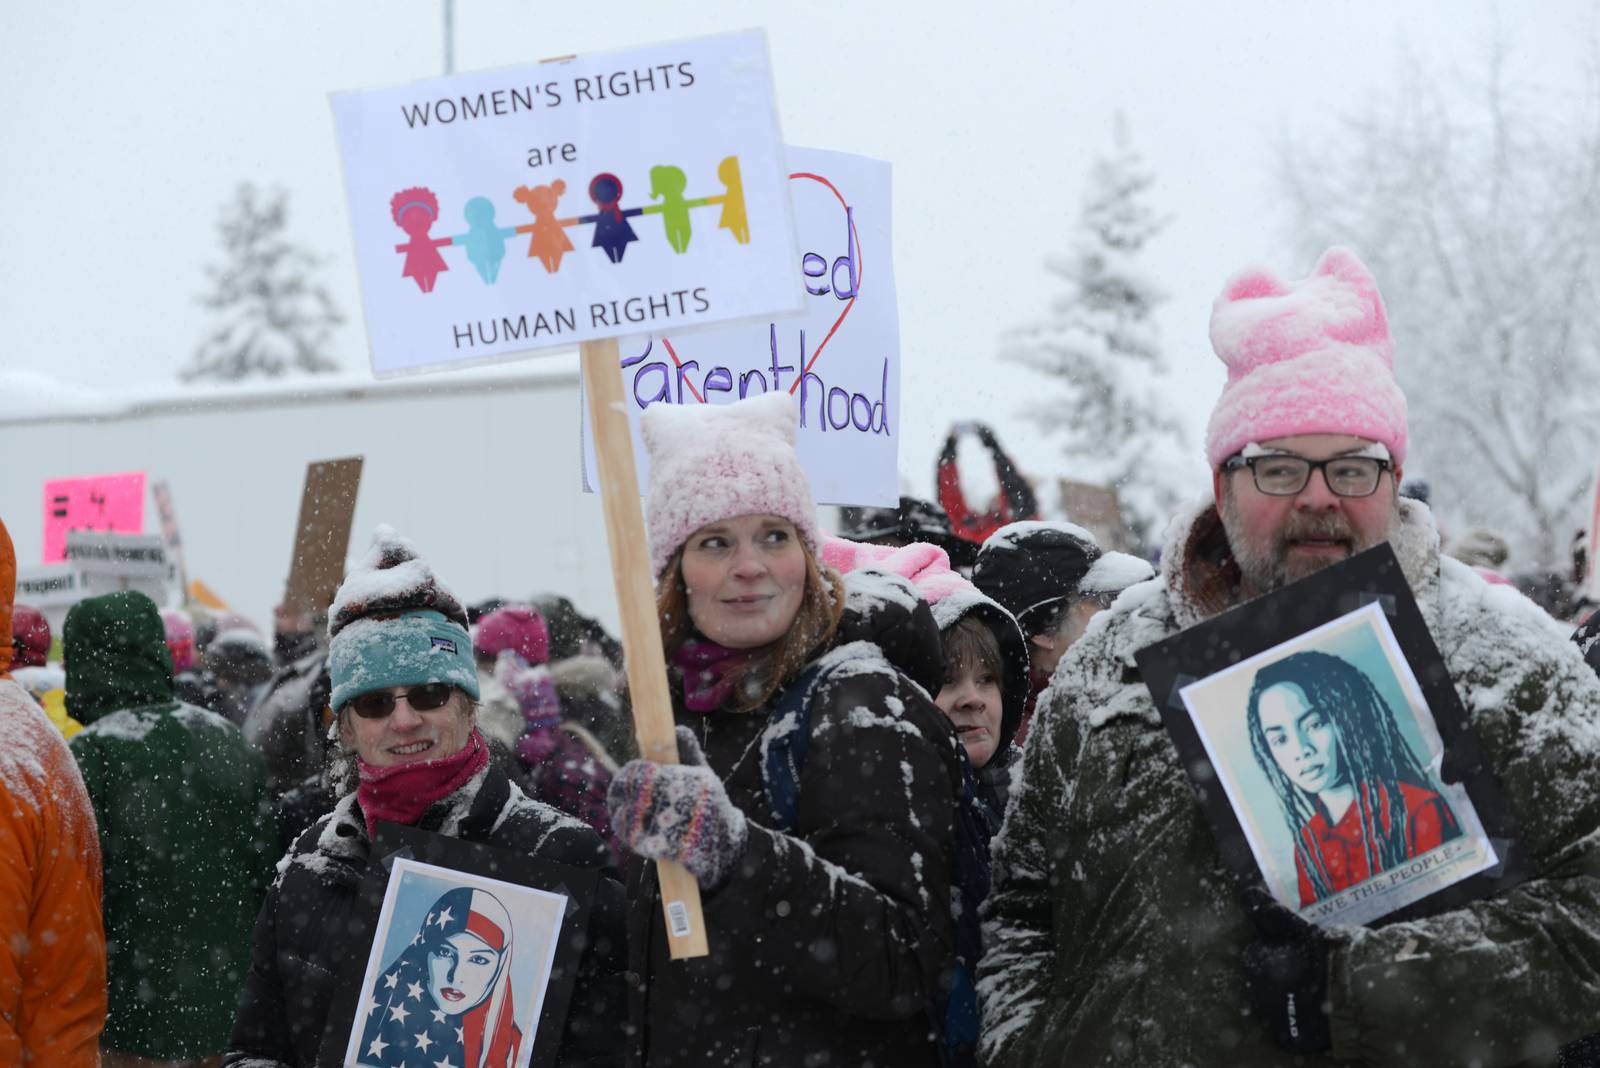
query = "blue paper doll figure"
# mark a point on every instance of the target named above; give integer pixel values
(611, 229)
(485, 242)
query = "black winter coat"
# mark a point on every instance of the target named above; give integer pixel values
(299, 955)
(827, 945)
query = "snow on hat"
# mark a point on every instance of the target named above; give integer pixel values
(30, 637)
(516, 627)
(1032, 564)
(1306, 357)
(715, 462)
(1115, 572)
(394, 623)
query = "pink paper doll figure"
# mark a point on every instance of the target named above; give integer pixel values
(415, 210)
(548, 241)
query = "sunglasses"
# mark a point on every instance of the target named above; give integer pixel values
(380, 704)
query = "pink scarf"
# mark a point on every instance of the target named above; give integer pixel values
(402, 793)
(706, 668)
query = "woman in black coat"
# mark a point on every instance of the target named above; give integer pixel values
(404, 689)
(826, 887)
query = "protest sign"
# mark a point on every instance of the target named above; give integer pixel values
(96, 502)
(463, 949)
(548, 204)
(1331, 753)
(161, 493)
(322, 534)
(840, 360)
(106, 563)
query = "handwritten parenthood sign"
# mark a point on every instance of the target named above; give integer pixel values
(544, 205)
(840, 360)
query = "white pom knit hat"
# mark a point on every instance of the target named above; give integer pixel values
(714, 462)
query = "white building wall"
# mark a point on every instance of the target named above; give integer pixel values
(480, 469)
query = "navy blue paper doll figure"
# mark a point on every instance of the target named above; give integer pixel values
(447, 996)
(485, 242)
(611, 229)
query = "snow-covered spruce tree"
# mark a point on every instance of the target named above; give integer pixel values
(1107, 404)
(272, 318)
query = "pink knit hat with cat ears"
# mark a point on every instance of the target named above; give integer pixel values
(1306, 357)
(714, 462)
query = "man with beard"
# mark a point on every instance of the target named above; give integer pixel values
(1114, 934)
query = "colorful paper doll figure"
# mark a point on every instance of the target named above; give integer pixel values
(733, 216)
(667, 185)
(1357, 800)
(485, 242)
(548, 241)
(611, 229)
(448, 993)
(415, 210)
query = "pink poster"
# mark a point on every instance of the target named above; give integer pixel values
(97, 502)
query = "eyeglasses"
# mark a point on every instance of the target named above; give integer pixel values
(1285, 475)
(380, 703)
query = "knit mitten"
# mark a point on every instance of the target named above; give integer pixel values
(679, 812)
(1286, 976)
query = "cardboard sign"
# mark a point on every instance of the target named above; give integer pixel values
(98, 502)
(322, 536)
(1331, 753)
(840, 360)
(543, 205)
(1098, 510)
(457, 946)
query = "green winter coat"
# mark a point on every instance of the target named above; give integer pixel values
(186, 834)
(1113, 936)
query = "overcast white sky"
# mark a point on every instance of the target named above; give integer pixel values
(126, 126)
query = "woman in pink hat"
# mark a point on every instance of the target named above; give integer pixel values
(817, 792)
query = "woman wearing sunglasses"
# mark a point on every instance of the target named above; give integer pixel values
(407, 750)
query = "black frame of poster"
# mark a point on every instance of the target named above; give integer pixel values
(1210, 647)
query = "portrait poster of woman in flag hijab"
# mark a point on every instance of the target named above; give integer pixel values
(457, 976)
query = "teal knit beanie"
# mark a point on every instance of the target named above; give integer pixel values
(394, 623)
(406, 650)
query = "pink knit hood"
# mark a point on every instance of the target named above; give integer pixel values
(1306, 357)
(926, 566)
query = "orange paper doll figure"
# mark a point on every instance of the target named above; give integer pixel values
(548, 241)
(667, 185)
(415, 210)
(733, 216)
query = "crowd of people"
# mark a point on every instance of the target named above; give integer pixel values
(934, 813)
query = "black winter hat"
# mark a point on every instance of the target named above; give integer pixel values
(1032, 565)
(914, 520)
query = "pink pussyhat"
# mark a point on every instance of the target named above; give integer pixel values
(1306, 357)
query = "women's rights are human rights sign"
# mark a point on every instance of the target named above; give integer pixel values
(839, 359)
(545, 205)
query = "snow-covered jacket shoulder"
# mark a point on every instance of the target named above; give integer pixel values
(300, 950)
(836, 933)
(1109, 887)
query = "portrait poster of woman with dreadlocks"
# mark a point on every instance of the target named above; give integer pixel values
(457, 973)
(1331, 762)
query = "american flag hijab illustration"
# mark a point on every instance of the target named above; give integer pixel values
(445, 1001)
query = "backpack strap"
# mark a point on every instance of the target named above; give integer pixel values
(784, 753)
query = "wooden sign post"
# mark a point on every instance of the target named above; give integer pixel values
(641, 631)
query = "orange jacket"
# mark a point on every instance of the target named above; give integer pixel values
(52, 941)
